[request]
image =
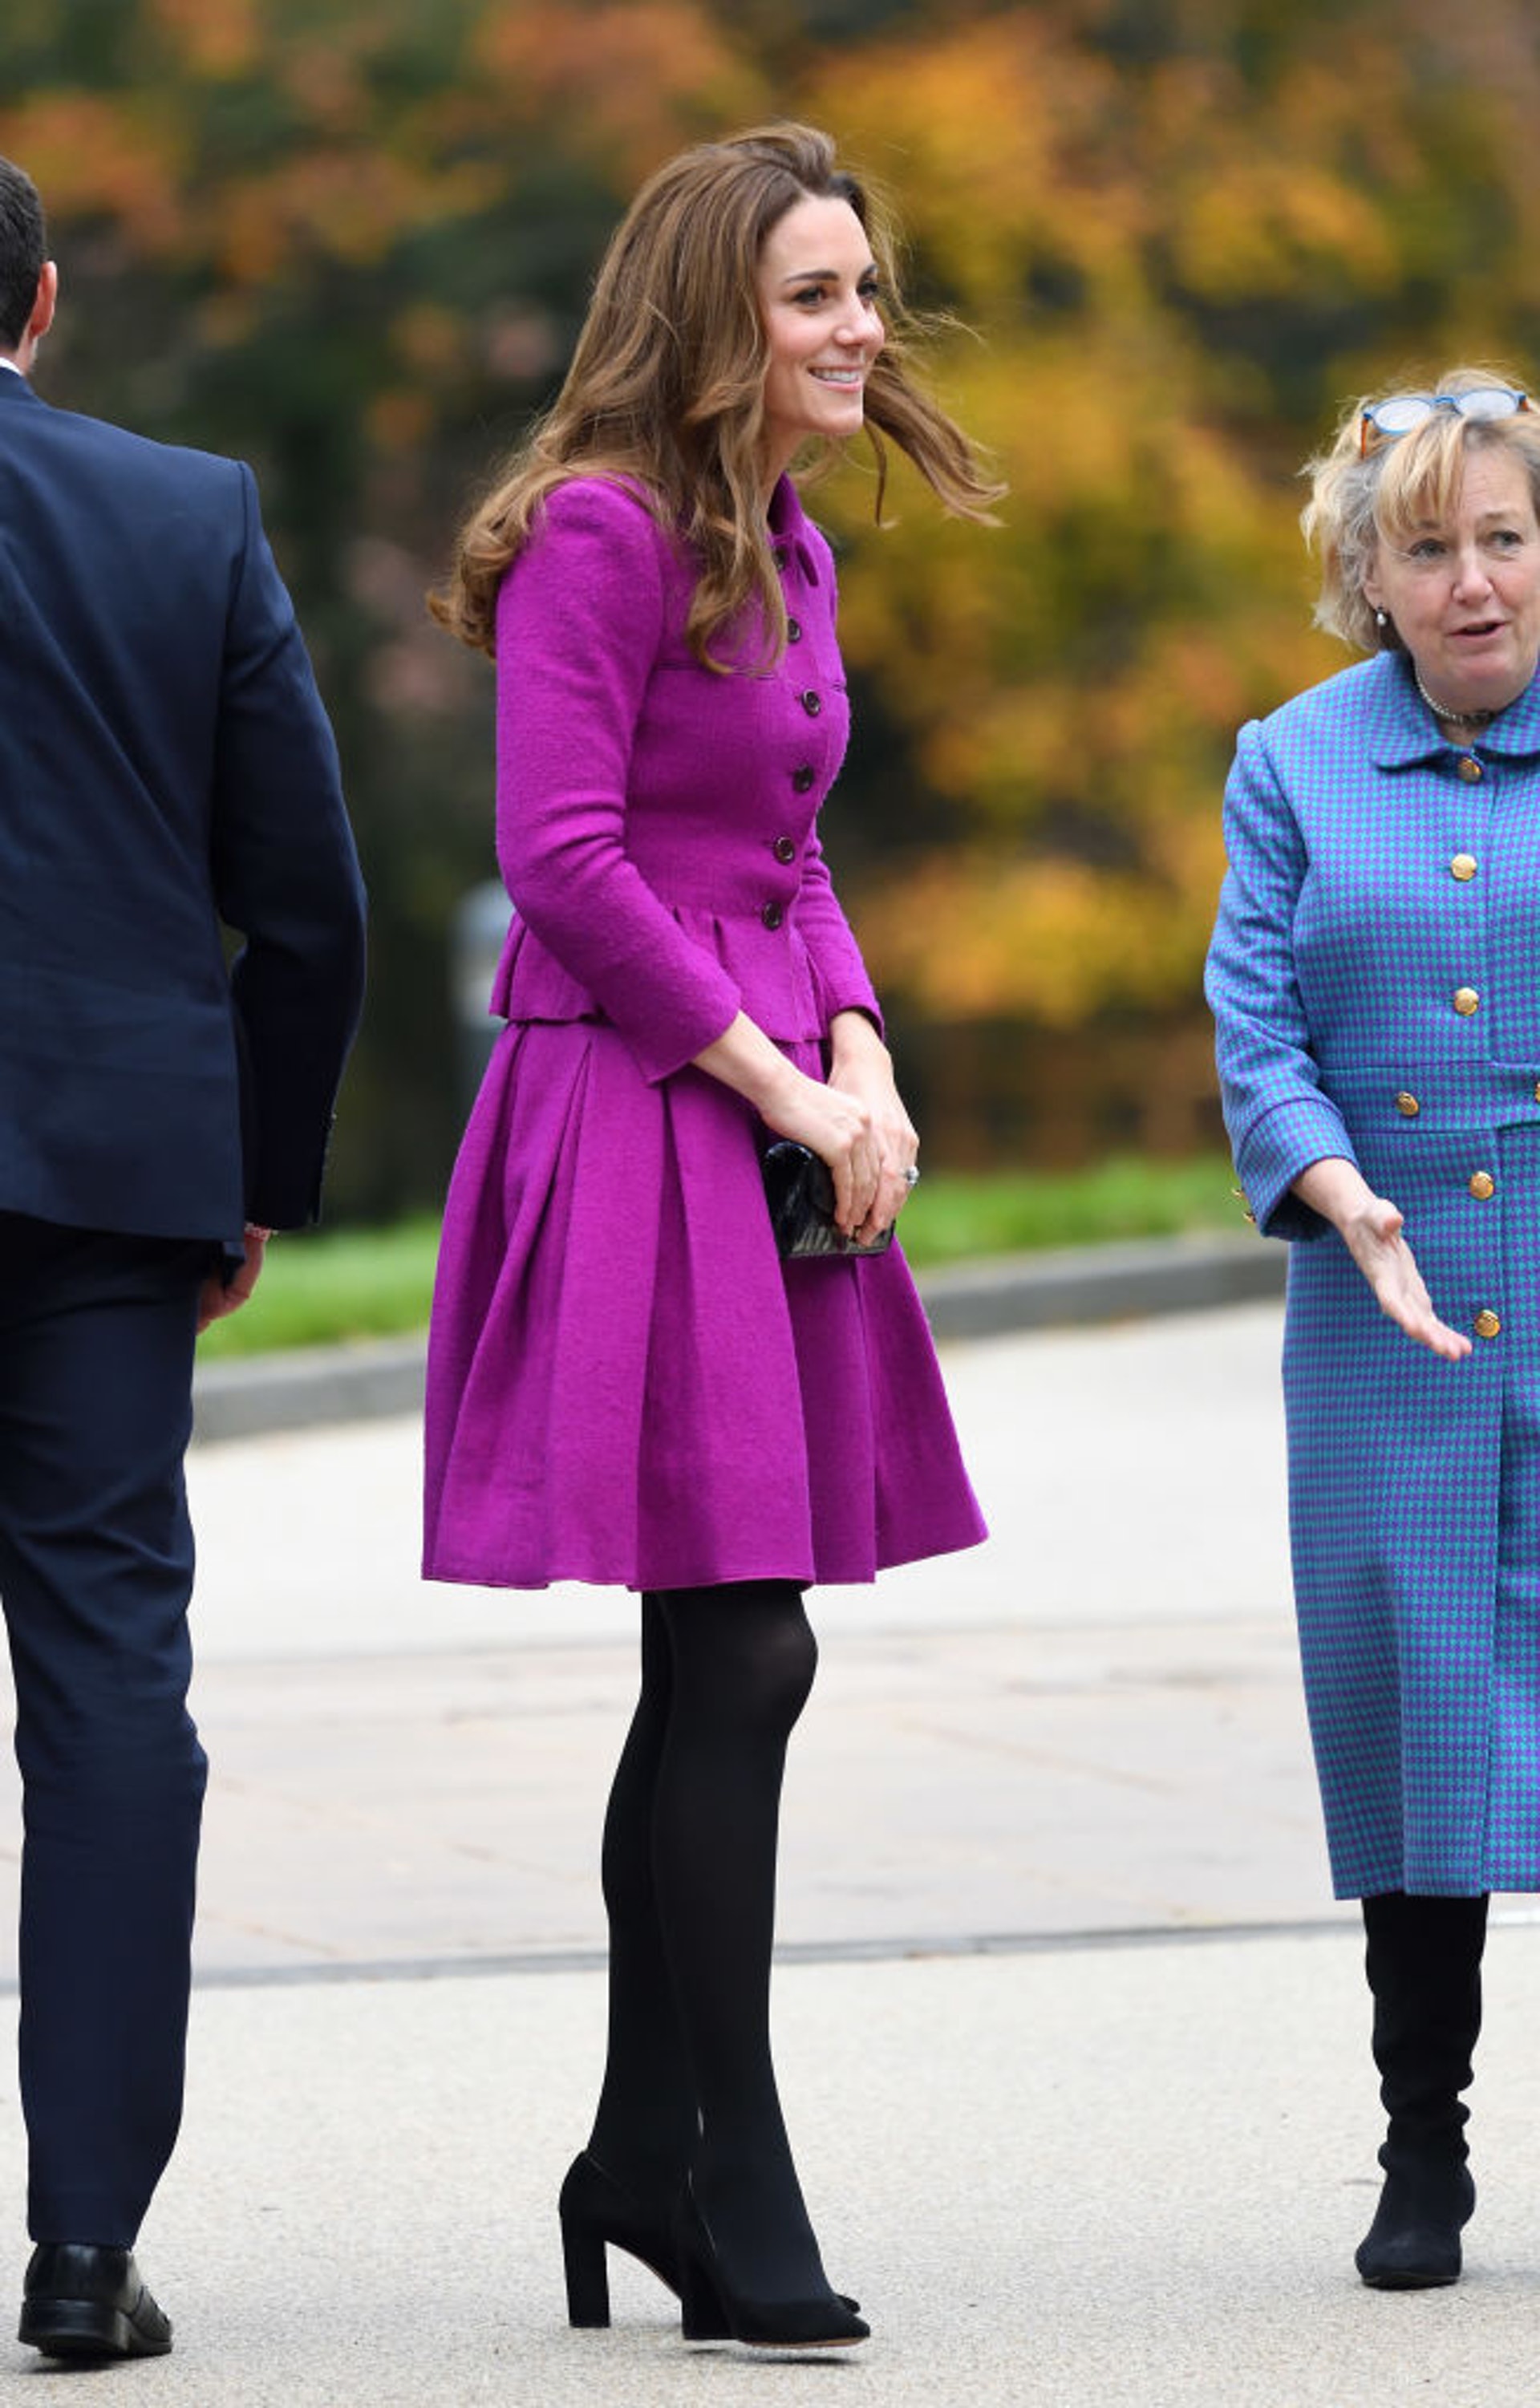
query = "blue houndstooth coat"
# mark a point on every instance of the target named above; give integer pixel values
(1375, 977)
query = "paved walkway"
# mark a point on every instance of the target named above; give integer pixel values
(1091, 1723)
(1070, 2035)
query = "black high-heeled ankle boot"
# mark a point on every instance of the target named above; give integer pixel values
(1423, 1960)
(597, 2210)
(712, 2309)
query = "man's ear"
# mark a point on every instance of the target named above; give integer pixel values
(43, 308)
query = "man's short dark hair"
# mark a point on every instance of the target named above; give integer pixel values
(23, 247)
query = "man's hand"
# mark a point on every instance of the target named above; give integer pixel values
(219, 1294)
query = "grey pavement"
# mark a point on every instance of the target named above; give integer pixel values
(1042, 1736)
(1070, 2035)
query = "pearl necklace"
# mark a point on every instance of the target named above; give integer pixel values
(1454, 718)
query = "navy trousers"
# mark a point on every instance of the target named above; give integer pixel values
(96, 1341)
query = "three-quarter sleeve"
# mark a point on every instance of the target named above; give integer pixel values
(580, 620)
(1278, 1120)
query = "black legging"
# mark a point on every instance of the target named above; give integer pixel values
(690, 1886)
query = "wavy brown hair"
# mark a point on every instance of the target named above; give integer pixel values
(666, 387)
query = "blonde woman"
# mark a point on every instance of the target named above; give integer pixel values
(1375, 980)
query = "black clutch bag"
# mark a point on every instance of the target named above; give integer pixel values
(799, 1189)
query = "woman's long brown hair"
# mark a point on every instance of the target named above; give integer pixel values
(665, 387)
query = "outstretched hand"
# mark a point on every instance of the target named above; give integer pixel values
(1374, 1238)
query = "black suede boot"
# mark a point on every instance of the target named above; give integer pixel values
(1423, 1960)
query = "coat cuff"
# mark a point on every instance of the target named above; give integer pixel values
(670, 1039)
(1271, 1156)
(851, 992)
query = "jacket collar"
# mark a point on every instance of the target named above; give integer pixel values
(790, 530)
(14, 386)
(1402, 729)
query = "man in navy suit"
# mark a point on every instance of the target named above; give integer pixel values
(166, 771)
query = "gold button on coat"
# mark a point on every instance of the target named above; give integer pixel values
(1487, 1324)
(1462, 867)
(1466, 1000)
(1482, 1184)
(1470, 768)
(1408, 1107)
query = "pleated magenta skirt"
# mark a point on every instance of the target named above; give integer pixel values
(627, 1386)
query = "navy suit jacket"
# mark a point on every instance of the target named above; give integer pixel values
(165, 767)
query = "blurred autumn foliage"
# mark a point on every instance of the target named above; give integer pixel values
(351, 241)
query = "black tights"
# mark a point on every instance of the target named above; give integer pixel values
(690, 1886)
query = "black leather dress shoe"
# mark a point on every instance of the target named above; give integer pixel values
(83, 2300)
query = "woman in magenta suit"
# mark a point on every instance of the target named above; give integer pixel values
(626, 1382)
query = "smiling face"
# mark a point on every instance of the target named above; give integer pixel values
(818, 300)
(1465, 595)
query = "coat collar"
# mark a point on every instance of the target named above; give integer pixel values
(790, 530)
(1401, 730)
(14, 386)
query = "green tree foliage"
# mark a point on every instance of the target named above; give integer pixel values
(351, 239)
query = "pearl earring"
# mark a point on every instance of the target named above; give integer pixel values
(1382, 618)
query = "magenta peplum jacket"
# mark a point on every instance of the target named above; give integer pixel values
(625, 1383)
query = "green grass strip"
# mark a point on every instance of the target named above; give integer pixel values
(323, 1287)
